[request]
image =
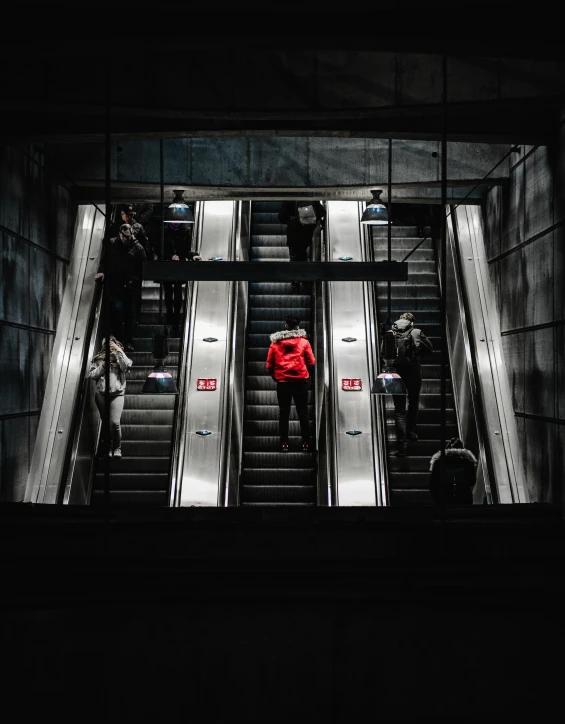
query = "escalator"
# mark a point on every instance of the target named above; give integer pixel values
(141, 476)
(409, 476)
(270, 477)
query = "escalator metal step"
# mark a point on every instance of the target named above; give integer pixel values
(397, 232)
(428, 417)
(134, 464)
(276, 325)
(270, 288)
(131, 498)
(412, 498)
(425, 431)
(411, 463)
(142, 372)
(261, 229)
(275, 314)
(145, 432)
(141, 448)
(269, 412)
(145, 344)
(294, 460)
(276, 494)
(260, 240)
(270, 252)
(278, 477)
(262, 428)
(260, 382)
(142, 417)
(257, 353)
(133, 481)
(279, 300)
(149, 402)
(270, 443)
(268, 398)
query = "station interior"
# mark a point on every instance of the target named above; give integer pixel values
(327, 581)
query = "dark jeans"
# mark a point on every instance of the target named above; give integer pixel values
(286, 391)
(412, 377)
(123, 313)
(137, 301)
(173, 299)
(298, 252)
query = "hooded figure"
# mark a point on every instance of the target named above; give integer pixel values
(459, 476)
(289, 357)
(411, 344)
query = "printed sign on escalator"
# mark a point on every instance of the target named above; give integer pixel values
(351, 384)
(206, 385)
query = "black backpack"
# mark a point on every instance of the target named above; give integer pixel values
(406, 352)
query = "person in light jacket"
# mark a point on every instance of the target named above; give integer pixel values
(119, 367)
(289, 360)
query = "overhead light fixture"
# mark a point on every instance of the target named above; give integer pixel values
(178, 212)
(376, 213)
(160, 381)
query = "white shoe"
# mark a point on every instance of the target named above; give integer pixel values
(118, 452)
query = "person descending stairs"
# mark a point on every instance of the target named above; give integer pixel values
(409, 476)
(141, 476)
(270, 476)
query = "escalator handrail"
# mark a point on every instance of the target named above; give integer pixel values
(179, 418)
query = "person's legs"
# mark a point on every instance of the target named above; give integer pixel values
(413, 382)
(400, 420)
(117, 316)
(177, 305)
(103, 446)
(168, 291)
(297, 252)
(116, 408)
(300, 395)
(129, 315)
(284, 397)
(138, 288)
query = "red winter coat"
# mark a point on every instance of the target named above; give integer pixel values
(289, 354)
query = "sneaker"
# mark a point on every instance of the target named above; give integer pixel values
(400, 453)
(412, 435)
(305, 447)
(284, 447)
(110, 454)
(118, 452)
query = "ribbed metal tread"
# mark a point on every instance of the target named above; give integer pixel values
(131, 498)
(149, 402)
(134, 464)
(276, 459)
(274, 314)
(278, 493)
(142, 447)
(412, 498)
(133, 481)
(427, 416)
(270, 428)
(140, 417)
(271, 443)
(270, 412)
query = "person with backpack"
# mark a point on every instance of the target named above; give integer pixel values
(460, 474)
(302, 218)
(411, 344)
(289, 361)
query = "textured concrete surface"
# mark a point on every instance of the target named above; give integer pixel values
(34, 207)
(523, 224)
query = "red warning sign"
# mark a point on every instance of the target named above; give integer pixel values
(206, 385)
(352, 384)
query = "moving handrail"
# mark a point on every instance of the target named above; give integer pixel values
(65, 382)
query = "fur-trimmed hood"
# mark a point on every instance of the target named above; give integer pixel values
(287, 334)
(454, 452)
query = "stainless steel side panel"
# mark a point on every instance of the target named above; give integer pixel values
(500, 434)
(198, 480)
(354, 460)
(64, 381)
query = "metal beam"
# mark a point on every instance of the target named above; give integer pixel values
(328, 271)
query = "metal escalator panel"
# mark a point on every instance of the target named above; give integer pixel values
(355, 462)
(79, 310)
(498, 430)
(199, 466)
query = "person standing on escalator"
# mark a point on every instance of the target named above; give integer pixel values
(302, 218)
(289, 362)
(411, 345)
(177, 248)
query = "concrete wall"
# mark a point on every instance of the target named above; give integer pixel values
(525, 237)
(281, 162)
(36, 232)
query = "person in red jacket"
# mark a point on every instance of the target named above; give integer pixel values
(288, 361)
